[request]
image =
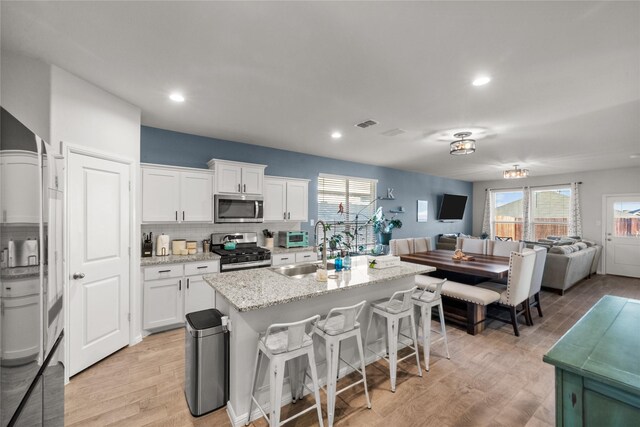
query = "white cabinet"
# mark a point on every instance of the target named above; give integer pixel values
(237, 178)
(293, 258)
(174, 290)
(286, 199)
(163, 304)
(20, 186)
(176, 195)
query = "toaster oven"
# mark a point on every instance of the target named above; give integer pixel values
(293, 239)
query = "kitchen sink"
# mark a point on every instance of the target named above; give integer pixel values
(301, 270)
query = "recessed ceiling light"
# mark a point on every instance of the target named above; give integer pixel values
(336, 135)
(481, 81)
(635, 156)
(176, 97)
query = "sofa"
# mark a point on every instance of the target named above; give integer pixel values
(566, 265)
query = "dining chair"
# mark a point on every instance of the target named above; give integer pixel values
(422, 244)
(476, 246)
(504, 239)
(401, 246)
(516, 292)
(503, 248)
(536, 281)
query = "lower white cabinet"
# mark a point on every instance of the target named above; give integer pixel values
(172, 291)
(293, 258)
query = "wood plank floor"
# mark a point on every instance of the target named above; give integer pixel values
(492, 379)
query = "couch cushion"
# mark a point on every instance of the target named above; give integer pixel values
(581, 245)
(563, 250)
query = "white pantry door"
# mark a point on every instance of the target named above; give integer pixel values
(622, 244)
(99, 231)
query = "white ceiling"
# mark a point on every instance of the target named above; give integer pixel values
(565, 94)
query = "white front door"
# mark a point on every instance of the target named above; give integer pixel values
(99, 236)
(622, 240)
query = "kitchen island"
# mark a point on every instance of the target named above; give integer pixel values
(256, 298)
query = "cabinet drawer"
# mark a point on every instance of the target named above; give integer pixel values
(163, 272)
(283, 259)
(199, 268)
(306, 257)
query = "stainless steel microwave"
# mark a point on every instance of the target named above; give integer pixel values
(238, 208)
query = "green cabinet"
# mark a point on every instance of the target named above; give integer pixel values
(598, 367)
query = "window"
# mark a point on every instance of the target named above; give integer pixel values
(508, 218)
(550, 212)
(357, 196)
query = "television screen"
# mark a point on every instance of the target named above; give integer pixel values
(452, 207)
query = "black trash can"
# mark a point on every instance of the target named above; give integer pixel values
(206, 382)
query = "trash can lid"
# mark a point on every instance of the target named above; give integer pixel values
(204, 319)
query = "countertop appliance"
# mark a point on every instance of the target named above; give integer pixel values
(23, 253)
(293, 239)
(206, 367)
(31, 360)
(238, 208)
(247, 253)
(147, 245)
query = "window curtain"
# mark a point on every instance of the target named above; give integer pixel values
(526, 213)
(486, 220)
(575, 211)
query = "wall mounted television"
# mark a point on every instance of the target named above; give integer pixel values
(452, 207)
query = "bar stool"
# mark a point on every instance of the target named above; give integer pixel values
(339, 325)
(395, 309)
(288, 343)
(425, 300)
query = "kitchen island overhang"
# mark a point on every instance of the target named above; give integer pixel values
(254, 299)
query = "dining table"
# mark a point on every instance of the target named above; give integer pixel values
(489, 266)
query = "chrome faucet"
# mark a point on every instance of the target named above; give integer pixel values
(324, 242)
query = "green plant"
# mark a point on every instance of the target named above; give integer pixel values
(382, 224)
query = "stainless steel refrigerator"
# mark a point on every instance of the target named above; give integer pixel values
(31, 298)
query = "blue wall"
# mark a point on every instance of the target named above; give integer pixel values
(179, 149)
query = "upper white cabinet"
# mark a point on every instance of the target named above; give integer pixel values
(286, 199)
(20, 181)
(176, 195)
(237, 178)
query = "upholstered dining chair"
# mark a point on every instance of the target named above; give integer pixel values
(475, 246)
(401, 246)
(503, 239)
(536, 282)
(516, 291)
(503, 248)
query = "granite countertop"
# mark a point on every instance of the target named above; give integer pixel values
(278, 250)
(21, 272)
(175, 259)
(253, 289)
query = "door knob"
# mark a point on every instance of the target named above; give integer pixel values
(608, 240)
(77, 276)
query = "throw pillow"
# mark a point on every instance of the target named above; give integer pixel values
(581, 245)
(563, 250)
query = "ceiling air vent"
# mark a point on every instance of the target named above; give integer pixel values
(394, 132)
(366, 124)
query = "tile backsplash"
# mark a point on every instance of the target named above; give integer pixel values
(199, 232)
(18, 232)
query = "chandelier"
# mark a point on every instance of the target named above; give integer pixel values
(515, 173)
(462, 145)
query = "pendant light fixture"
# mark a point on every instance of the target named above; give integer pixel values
(462, 145)
(515, 173)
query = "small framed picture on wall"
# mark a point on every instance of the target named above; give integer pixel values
(423, 210)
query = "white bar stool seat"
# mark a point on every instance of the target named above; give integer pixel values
(286, 345)
(339, 325)
(393, 310)
(425, 301)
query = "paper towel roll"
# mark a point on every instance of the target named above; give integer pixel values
(162, 245)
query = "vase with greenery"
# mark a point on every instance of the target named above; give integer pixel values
(383, 227)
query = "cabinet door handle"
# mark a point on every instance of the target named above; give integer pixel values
(187, 283)
(183, 215)
(245, 188)
(203, 266)
(176, 215)
(179, 285)
(284, 259)
(289, 217)
(284, 215)
(239, 191)
(164, 271)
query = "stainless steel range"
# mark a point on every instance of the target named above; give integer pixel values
(246, 254)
